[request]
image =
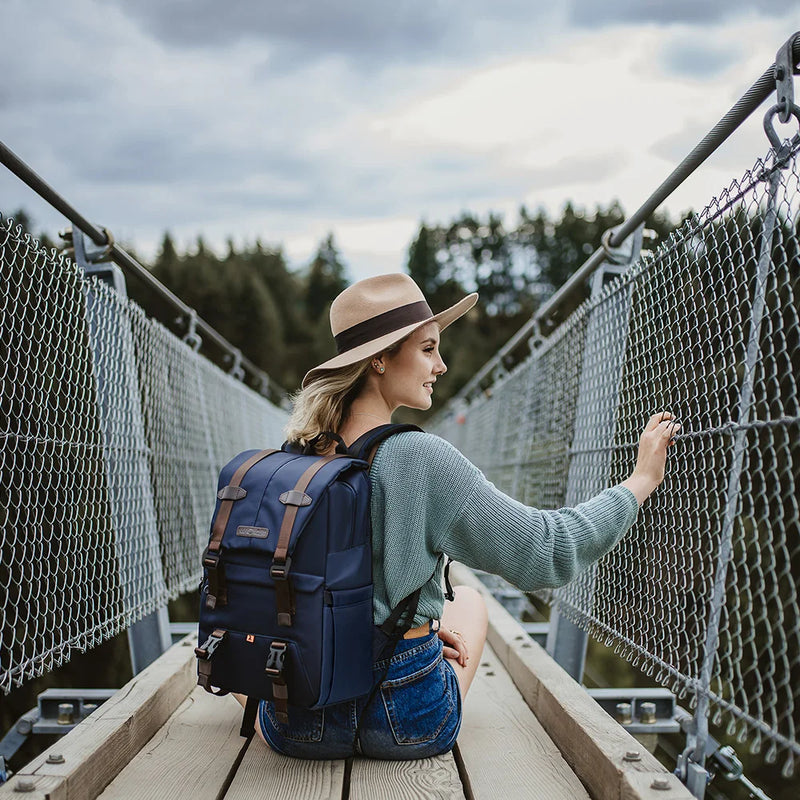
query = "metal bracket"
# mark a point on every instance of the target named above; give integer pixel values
(639, 711)
(94, 260)
(192, 337)
(785, 69)
(236, 370)
(628, 251)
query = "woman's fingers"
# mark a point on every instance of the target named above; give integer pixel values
(454, 646)
(657, 419)
(657, 436)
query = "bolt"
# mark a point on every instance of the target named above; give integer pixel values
(66, 714)
(624, 716)
(55, 758)
(632, 755)
(24, 785)
(647, 713)
(88, 708)
(660, 784)
(24, 726)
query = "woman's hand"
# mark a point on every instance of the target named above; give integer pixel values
(653, 443)
(454, 646)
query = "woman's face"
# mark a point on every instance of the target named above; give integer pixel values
(412, 370)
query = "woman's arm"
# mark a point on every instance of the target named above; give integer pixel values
(537, 549)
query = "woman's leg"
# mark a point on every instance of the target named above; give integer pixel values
(467, 615)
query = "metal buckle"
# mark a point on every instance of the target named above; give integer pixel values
(275, 659)
(210, 560)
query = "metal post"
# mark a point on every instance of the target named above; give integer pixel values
(603, 359)
(691, 764)
(138, 551)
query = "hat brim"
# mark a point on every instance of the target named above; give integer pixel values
(444, 318)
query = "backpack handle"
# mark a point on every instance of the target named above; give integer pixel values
(341, 447)
(364, 447)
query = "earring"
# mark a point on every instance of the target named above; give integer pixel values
(379, 367)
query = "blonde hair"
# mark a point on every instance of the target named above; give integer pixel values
(325, 402)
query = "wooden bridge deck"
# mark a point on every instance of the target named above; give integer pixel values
(528, 731)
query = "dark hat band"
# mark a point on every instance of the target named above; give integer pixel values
(378, 326)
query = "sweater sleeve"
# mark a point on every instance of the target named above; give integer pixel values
(536, 549)
(472, 521)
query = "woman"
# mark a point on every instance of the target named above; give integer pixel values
(428, 500)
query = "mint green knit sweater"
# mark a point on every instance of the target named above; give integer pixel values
(428, 499)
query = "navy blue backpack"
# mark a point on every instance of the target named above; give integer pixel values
(286, 596)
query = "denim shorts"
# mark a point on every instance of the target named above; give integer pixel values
(416, 712)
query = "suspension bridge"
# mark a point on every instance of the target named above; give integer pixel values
(113, 430)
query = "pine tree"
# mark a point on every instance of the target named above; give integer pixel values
(326, 279)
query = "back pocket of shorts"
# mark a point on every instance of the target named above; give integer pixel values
(418, 706)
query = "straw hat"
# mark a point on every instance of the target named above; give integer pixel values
(373, 314)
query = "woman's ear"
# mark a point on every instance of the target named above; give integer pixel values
(378, 365)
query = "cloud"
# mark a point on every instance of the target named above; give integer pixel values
(285, 121)
(589, 13)
(361, 32)
(696, 57)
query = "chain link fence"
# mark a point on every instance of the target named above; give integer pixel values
(112, 432)
(703, 592)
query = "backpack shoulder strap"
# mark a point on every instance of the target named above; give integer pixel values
(364, 447)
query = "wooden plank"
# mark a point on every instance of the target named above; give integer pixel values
(192, 755)
(100, 747)
(267, 775)
(502, 744)
(591, 741)
(639, 786)
(424, 779)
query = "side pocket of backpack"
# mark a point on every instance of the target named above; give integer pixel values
(347, 635)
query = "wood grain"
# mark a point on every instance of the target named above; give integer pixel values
(192, 755)
(266, 775)
(424, 779)
(591, 741)
(503, 745)
(99, 748)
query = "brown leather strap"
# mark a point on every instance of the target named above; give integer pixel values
(217, 594)
(226, 506)
(279, 571)
(285, 535)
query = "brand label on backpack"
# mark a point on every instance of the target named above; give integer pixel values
(253, 533)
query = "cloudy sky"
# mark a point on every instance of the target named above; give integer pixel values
(286, 120)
